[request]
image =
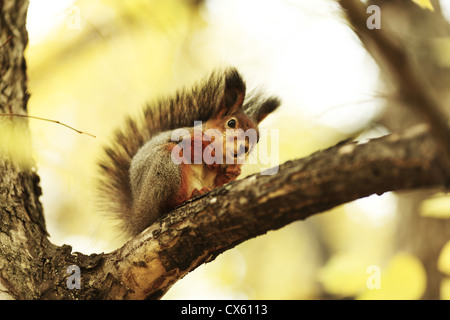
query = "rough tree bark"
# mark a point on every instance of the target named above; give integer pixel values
(22, 224)
(145, 267)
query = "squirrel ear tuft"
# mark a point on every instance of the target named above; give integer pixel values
(234, 91)
(258, 108)
(266, 108)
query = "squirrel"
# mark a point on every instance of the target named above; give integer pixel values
(140, 179)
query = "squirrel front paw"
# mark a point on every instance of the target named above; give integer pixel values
(232, 171)
(227, 174)
(197, 192)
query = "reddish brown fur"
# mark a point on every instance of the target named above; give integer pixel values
(213, 102)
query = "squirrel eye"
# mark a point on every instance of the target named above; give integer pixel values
(232, 123)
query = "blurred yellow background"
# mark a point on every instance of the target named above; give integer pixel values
(90, 63)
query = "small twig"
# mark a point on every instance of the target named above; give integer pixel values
(6, 42)
(49, 120)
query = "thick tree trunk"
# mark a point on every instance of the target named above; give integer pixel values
(22, 226)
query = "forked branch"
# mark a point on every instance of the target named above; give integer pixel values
(198, 231)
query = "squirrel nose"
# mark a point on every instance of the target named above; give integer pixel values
(242, 149)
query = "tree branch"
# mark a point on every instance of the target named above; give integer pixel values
(396, 63)
(195, 233)
(198, 231)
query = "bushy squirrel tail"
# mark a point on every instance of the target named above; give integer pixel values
(199, 103)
